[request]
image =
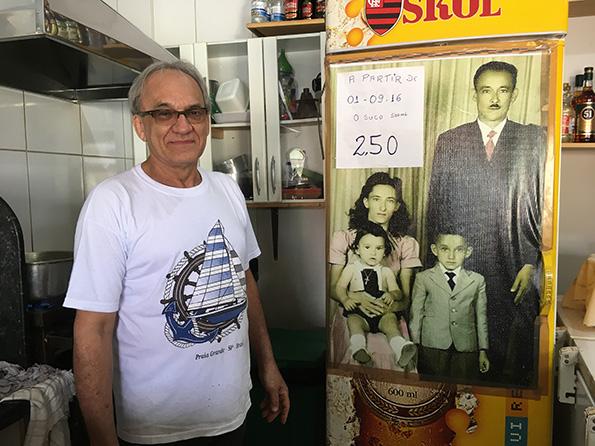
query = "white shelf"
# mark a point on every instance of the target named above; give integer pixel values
(237, 125)
(291, 122)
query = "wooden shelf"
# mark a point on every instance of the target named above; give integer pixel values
(319, 203)
(581, 8)
(578, 145)
(267, 29)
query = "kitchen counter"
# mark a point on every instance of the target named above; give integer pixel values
(582, 337)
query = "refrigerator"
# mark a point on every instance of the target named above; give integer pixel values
(443, 134)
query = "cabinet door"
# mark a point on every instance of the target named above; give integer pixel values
(237, 142)
(295, 126)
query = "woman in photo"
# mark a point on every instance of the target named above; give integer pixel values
(381, 202)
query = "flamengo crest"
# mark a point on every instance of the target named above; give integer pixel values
(383, 15)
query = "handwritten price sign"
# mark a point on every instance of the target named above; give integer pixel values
(379, 118)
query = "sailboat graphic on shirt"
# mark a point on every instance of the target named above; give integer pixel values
(205, 294)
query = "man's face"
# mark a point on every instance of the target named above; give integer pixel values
(371, 249)
(451, 250)
(180, 143)
(494, 94)
(381, 204)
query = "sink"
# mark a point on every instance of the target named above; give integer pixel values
(47, 274)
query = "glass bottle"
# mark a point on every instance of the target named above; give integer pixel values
(291, 9)
(307, 9)
(585, 110)
(287, 84)
(567, 114)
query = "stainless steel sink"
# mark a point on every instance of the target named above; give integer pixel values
(47, 274)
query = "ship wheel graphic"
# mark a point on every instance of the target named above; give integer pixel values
(205, 293)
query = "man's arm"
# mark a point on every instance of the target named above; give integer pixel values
(93, 334)
(276, 401)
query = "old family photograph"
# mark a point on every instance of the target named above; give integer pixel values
(435, 270)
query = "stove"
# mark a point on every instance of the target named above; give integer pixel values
(49, 333)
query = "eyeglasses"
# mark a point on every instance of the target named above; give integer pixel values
(194, 115)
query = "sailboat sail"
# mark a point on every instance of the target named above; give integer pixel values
(218, 286)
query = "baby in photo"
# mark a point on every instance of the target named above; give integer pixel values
(367, 278)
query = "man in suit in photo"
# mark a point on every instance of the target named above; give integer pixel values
(487, 179)
(449, 315)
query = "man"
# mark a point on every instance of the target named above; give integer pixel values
(161, 264)
(487, 179)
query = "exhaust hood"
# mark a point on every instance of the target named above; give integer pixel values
(72, 49)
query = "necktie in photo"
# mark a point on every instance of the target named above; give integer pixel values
(490, 145)
(451, 279)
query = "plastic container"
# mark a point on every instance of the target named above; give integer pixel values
(259, 11)
(232, 96)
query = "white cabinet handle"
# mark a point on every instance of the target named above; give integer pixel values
(273, 174)
(257, 169)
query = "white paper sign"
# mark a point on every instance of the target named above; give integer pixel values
(379, 118)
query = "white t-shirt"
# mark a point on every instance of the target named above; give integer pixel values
(171, 262)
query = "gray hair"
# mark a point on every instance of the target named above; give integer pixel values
(136, 89)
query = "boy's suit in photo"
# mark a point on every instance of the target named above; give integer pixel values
(450, 325)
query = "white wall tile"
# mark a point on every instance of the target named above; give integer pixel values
(56, 185)
(12, 119)
(128, 164)
(95, 170)
(174, 22)
(223, 20)
(14, 189)
(102, 129)
(140, 149)
(139, 13)
(52, 125)
(128, 130)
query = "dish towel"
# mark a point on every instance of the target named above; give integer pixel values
(48, 390)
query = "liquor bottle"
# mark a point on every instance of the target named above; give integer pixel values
(320, 9)
(291, 9)
(307, 9)
(585, 110)
(579, 80)
(567, 115)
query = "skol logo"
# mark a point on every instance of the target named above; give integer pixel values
(383, 15)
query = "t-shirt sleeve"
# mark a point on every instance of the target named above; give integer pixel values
(338, 248)
(99, 264)
(252, 250)
(409, 253)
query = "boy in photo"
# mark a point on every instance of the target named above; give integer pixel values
(449, 315)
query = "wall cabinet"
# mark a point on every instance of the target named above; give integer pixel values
(259, 144)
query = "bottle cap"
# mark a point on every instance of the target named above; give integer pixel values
(579, 79)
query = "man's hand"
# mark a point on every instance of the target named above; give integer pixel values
(276, 400)
(484, 362)
(522, 283)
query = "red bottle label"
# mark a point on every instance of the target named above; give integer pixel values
(291, 8)
(307, 10)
